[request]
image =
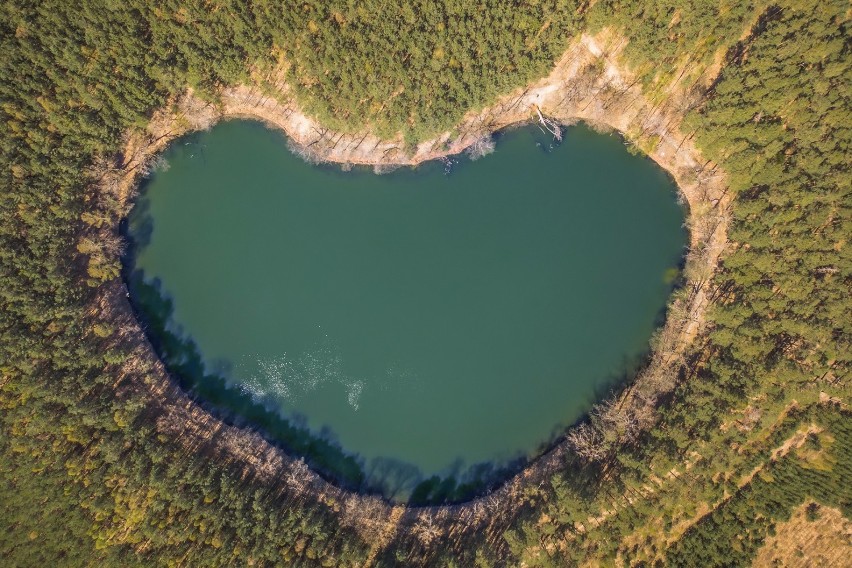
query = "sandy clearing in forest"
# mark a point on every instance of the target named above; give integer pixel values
(800, 542)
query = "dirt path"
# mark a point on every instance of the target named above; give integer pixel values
(793, 442)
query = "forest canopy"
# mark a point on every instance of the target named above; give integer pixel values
(84, 477)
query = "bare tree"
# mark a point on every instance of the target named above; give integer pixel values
(610, 426)
(549, 124)
(482, 146)
(588, 442)
(426, 529)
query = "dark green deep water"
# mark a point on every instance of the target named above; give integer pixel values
(395, 327)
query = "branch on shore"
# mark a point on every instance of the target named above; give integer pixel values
(550, 125)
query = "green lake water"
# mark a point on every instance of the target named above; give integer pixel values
(398, 330)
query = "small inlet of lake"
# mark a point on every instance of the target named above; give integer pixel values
(419, 333)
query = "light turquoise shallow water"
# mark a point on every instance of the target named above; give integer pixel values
(424, 322)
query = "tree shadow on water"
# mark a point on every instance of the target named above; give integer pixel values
(460, 483)
(207, 383)
(137, 228)
(393, 479)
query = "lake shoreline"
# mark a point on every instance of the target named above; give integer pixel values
(585, 85)
(605, 203)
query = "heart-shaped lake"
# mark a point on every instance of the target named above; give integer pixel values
(397, 327)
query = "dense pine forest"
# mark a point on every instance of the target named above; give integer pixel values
(757, 426)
